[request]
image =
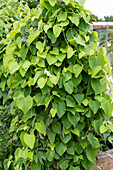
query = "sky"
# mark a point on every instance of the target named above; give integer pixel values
(100, 8)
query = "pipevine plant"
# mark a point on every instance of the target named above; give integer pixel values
(54, 79)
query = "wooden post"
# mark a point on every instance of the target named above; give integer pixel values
(107, 31)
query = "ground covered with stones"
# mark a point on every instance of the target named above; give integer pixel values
(104, 161)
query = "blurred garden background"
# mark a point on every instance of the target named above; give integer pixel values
(102, 12)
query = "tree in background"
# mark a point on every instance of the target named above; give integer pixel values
(108, 18)
(32, 3)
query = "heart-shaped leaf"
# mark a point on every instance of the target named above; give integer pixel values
(66, 1)
(70, 52)
(24, 103)
(61, 148)
(81, 2)
(57, 30)
(75, 19)
(96, 61)
(29, 139)
(91, 153)
(41, 82)
(103, 128)
(53, 112)
(40, 127)
(94, 105)
(52, 2)
(77, 69)
(107, 106)
(96, 83)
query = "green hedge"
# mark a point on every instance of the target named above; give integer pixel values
(53, 83)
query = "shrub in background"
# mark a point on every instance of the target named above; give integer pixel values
(9, 12)
(32, 3)
(56, 79)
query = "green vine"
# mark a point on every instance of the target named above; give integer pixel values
(56, 80)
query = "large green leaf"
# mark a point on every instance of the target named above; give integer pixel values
(54, 79)
(95, 71)
(39, 99)
(12, 66)
(35, 165)
(71, 150)
(77, 80)
(61, 57)
(90, 48)
(67, 75)
(78, 148)
(51, 36)
(96, 125)
(55, 51)
(63, 164)
(73, 118)
(69, 34)
(64, 23)
(33, 49)
(74, 19)
(29, 139)
(26, 65)
(51, 59)
(40, 127)
(70, 102)
(103, 128)
(62, 16)
(22, 138)
(40, 46)
(23, 52)
(67, 138)
(87, 164)
(70, 52)
(53, 112)
(81, 2)
(14, 121)
(60, 148)
(101, 87)
(56, 128)
(50, 154)
(96, 60)
(19, 42)
(94, 105)
(79, 97)
(52, 2)
(57, 30)
(93, 141)
(66, 122)
(80, 40)
(77, 69)
(75, 131)
(68, 86)
(24, 103)
(66, 1)
(33, 36)
(41, 82)
(91, 153)
(51, 137)
(107, 106)
(61, 108)
(10, 49)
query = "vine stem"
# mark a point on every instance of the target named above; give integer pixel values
(88, 130)
(65, 37)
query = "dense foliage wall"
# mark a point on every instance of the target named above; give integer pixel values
(52, 89)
